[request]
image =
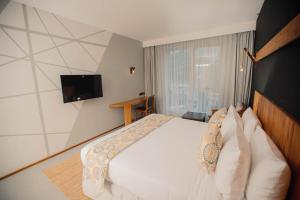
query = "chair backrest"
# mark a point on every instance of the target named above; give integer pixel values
(150, 103)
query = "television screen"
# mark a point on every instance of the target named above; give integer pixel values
(81, 87)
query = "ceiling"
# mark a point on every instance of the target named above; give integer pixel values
(147, 20)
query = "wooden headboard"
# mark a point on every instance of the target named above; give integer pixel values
(285, 132)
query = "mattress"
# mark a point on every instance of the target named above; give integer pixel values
(162, 165)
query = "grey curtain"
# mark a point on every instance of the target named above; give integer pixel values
(243, 66)
(150, 70)
(199, 75)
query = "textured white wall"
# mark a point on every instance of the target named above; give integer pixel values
(36, 48)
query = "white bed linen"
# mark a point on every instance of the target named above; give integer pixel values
(162, 165)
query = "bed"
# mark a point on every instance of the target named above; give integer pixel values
(156, 162)
(163, 164)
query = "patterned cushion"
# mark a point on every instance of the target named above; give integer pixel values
(210, 148)
(218, 116)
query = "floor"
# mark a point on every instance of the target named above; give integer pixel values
(32, 184)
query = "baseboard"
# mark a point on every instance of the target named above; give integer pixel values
(58, 153)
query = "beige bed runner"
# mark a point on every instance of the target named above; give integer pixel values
(98, 157)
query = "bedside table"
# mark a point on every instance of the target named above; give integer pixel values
(194, 116)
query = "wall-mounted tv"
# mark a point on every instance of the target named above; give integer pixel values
(81, 87)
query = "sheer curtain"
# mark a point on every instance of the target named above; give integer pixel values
(150, 71)
(243, 68)
(193, 76)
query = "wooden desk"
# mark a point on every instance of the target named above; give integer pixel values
(126, 105)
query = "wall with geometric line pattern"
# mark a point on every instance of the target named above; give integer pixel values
(36, 47)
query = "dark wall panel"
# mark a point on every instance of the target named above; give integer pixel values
(278, 75)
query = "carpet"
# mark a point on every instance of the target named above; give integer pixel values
(67, 176)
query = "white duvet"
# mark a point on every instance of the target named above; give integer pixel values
(163, 165)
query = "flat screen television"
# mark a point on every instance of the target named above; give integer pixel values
(81, 87)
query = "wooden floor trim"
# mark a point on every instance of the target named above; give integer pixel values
(58, 153)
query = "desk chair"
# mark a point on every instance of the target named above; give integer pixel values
(145, 109)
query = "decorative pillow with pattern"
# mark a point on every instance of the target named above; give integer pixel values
(218, 117)
(210, 148)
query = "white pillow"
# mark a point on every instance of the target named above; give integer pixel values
(234, 161)
(270, 174)
(227, 128)
(250, 122)
(249, 114)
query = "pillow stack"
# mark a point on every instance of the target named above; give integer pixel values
(249, 166)
(270, 174)
(234, 161)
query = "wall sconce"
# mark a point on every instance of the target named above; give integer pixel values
(244, 55)
(250, 55)
(131, 70)
(242, 60)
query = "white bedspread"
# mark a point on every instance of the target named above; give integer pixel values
(163, 165)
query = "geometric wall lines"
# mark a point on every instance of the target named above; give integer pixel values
(14, 59)
(102, 41)
(5, 59)
(13, 14)
(51, 56)
(62, 66)
(36, 48)
(75, 29)
(83, 61)
(101, 38)
(40, 43)
(95, 52)
(34, 73)
(44, 82)
(70, 25)
(52, 40)
(34, 23)
(9, 46)
(19, 38)
(53, 26)
(59, 41)
(59, 117)
(20, 83)
(20, 115)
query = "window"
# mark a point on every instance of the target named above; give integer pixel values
(187, 79)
